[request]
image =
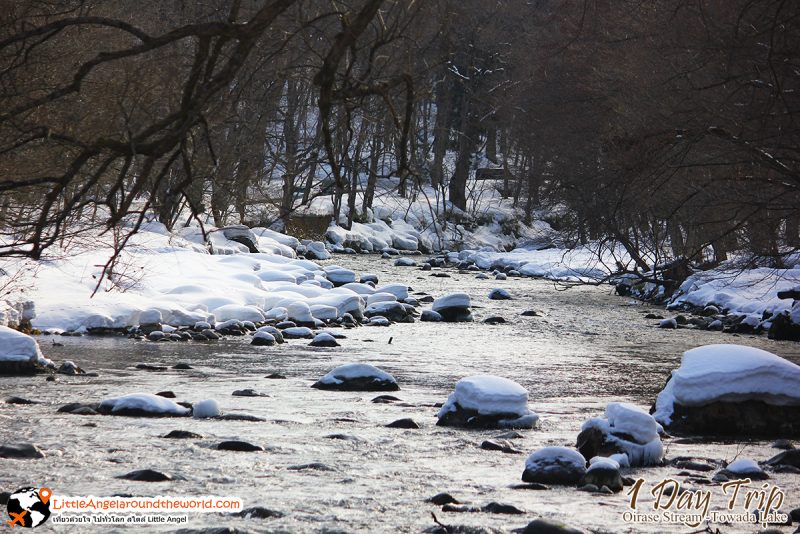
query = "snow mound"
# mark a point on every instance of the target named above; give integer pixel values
(355, 370)
(743, 466)
(631, 430)
(239, 313)
(724, 372)
(143, 402)
(489, 395)
(18, 347)
(206, 409)
(555, 458)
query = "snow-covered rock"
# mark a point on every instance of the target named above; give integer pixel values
(300, 312)
(404, 262)
(554, 465)
(744, 468)
(20, 353)
(392, 310)
(400, 291)
(380, 297)
(262, 339)
(206, 409)
(487, 401)
(142, 405)
(150, 316)
(602, 472)
(357, 377)
(453, 307)
(324, 339)
(315, 251)
(732, 389)
(625, 429)
(297, 332)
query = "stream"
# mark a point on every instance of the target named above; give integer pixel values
(587, 348)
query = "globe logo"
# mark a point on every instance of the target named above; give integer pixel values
(29, 507)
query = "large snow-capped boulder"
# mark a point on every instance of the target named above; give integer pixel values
(453, 307)
(357, 377)
(142, 405)
(487, 401)
(625, 429)
(731, 390)
(19, 353)
(314, 250)
(554, 465)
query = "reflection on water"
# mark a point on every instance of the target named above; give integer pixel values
(588, 348)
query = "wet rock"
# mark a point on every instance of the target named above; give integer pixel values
(258, 512)
(241, 417)
(442, 498)
(404, 423)
(239, 446)
(404, 262)
(789, 457)
(668, 323)
(156, 335)
(532, 486)
(248, 393)
(283, 325)
(499, 294)
(166, 394)
(150, 367)
(344, 437)
(500, 445)
(554, 465)
(782, 327)
(146, 475)
(210, 335)
(482, 276)
(512, 434)
(313, 466)
(494, 320)
(182, 366)
(78, 408)
(182, 434)
(692, 465)
(298, 332)
(275, 376)
(19, 400)
(385, 399)
(465, 508)
(241, 234)
(501, 508)
(783, 444)
(20, 451)
(653, 316)
(453, 307)
(430, 316)
(752, 418)
(546, 526)
(69, 367)
(530, 313)
(426, 266)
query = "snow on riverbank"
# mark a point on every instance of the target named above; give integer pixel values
(176, 275)
(749, 292)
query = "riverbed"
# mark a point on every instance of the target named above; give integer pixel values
(586, 348)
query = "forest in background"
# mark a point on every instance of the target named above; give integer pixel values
(668, 127)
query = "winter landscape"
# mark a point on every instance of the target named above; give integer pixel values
(385, 266)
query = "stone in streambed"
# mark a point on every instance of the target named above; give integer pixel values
(546, 526)
(146, 475)
(554, 465)
(500, 445)
(182, 434)
(357, 377)
(404, 423)
(20, 451)
(258, 512)
(239, 446)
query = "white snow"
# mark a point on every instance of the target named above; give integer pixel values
(146, 402)
(380, 297)
(743, 466)
(150, 316)
(299, 311)
(400, 291)
(18, 347)
(239, 313)
(206, 409)
(356, 370)
(554, 459)
(451, 300)
(603, 462)
(297, 331)
(339, 275)
(622, 418)
(729, 373)
(489, 395)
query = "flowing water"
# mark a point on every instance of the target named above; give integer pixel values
(586, 349)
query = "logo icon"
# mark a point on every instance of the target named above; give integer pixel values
(29, 507)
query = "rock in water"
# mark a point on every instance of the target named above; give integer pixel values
(182, 434)
(357, 377)
(744, 468)
(263, 339)
(546, 526)
(625, 429)
(453, 307)
(603, 472)
(731, 390)
(430, 316)
(554, 465)
(499, 294)
(146, 475)
(239, 446)
(20, 354)
(486, 401)
(142, 405)
(20, 451)
(324, 339)
(404, 423)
